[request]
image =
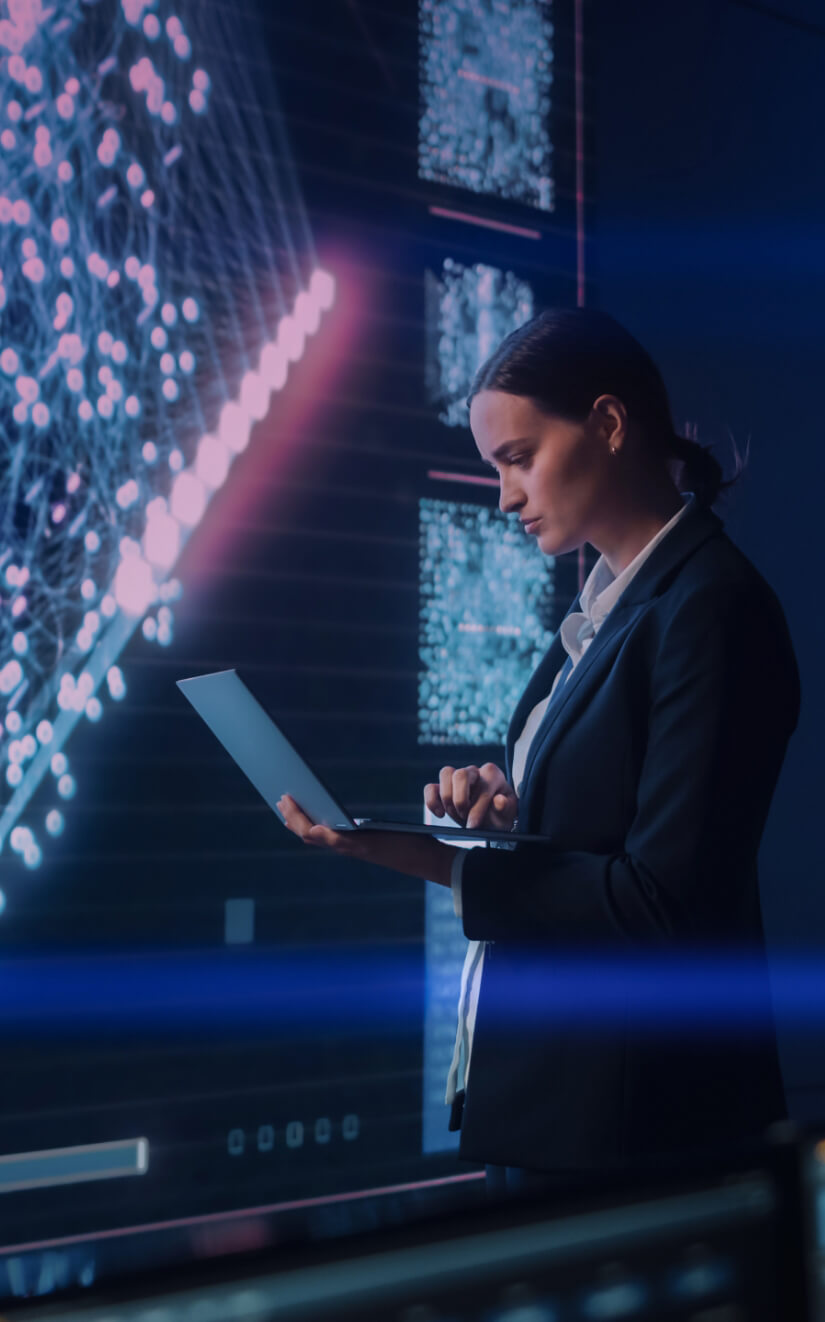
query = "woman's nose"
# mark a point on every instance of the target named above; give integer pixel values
(510, 498)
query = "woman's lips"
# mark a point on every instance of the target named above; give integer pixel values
(530, 525)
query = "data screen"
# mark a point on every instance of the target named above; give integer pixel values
(486, 78)
(470, 309)
(486, 602)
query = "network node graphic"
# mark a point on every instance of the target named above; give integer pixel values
(486, 599)
(157, 282)
(470, 309)
(486, 73)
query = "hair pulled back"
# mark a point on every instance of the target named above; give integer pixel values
(564, 358)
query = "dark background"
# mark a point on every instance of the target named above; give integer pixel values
(704, 199)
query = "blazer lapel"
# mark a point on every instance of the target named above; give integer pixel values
(538, 686)
(655, 575)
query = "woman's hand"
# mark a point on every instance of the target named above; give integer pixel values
(416, 855)
(474, 797)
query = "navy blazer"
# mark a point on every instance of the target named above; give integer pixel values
(651, 775)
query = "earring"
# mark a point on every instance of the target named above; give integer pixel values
(614, 449)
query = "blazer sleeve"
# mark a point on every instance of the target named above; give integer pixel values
(724, 700)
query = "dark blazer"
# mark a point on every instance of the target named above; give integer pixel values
(651, 774)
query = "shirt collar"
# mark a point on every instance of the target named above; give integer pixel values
(602, 588)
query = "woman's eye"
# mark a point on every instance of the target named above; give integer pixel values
(520, 460)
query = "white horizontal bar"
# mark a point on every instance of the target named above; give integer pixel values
(90, 1161)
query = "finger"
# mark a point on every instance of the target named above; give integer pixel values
(445, 788)
(326, 838)
(479, 810)
(432, 800)
(294, 817)
(464, 783)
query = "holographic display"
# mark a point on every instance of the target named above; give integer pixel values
(157, 280)
(486, 598)
(486, 74)
(470, 309)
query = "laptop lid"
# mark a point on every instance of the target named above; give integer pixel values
(261, 750)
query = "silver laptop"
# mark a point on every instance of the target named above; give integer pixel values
(268, 759)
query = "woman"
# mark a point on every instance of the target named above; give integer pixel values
(646, 748)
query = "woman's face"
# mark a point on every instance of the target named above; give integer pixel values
(554, 474)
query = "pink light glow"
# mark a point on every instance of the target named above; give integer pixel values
(233, 427)
(161, 541)
(291, 338)
(212, 463)
(322, 289)
(307, 313)
(473, 77)
(134, 585)
(273, 366)
(188, 499)
(485, 223)
(254, 396)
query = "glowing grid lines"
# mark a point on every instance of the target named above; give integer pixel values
(152, 251)
(470, 309)
(486, 596)
(486, 70)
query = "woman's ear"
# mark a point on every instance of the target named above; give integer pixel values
(609, 415)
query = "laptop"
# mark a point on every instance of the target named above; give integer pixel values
(267, 758)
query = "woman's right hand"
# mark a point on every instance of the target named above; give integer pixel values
(474, 797)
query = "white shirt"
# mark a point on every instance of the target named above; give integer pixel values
(578, 629)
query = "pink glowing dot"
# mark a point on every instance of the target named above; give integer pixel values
(27, 388)
(65, 171)
(175, 460)
(200, 80)
(119, 352)
(17, 68)
(135, 175)
(291, 338)
(9, 361)
(58, 513)
(113, 279)
(161, 541)
(322, 288)
(105, 407)
(6, 210)
(212, 464)
(188, 499)
(60, 230)
(65, 106)
(40, 414)
(33, 79)
(41, 133)
(72, 484)
(14, 110)
(147, 198)
(104, 376)
(174, 27)
(307, 312)
(186, 361)
(274, 366)
(233, 427)
(74, 380)
(85, 411)
(182, 47)
(151, 26)
(67, 268)
(104, 344)
(132, 268)
(132, 406)
(254, 395)
(7, 139)
(29, 248)
(42, 155)
(167, 364)
(20, 412)
(72, 86)
(149, 452)
(134, 585)
(168, 113)
(168, 314)
(197, 101)
(34, 270)
(170, 389)
(190, 309)
(115, 391)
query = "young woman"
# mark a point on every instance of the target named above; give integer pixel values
(646, 748)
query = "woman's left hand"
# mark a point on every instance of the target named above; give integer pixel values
(416, 855)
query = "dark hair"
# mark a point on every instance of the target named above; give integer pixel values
(564, 358)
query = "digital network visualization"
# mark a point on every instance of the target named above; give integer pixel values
(486, 73)
(486, 597)
(470, 309)
(157, 281)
